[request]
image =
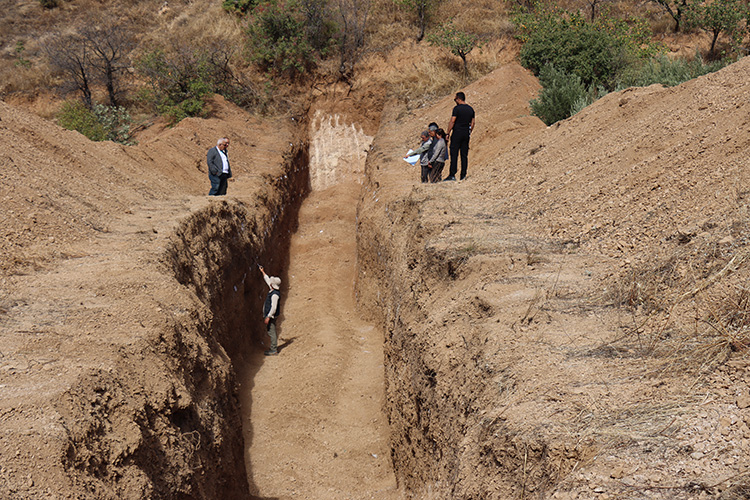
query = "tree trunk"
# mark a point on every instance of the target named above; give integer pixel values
(713, 43)
(422, 13)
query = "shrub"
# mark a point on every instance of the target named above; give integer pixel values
(668, 71)
(594, 51)
(116, 122)
(20, 60)
(49, 4)
(74, 115)
(179, 82)
(239, 7)
(101, 123)
(561, 93)
(277, 39)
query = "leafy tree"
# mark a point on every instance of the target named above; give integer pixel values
(459, 42)
(719, 16)
(423, 9)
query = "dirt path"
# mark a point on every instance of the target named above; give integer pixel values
(316, 428)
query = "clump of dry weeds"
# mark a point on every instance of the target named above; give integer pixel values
(689, 309)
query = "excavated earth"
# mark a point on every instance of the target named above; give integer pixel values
(568, 322)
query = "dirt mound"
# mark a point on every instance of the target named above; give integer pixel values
(548, 322)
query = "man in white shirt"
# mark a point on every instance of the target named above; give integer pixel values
(219, 171)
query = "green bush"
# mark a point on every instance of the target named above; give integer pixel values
(596, 52)
(49, 4)
(239, 7)
(277, 39)
(102, 123)
(116, 122)
(179, 82)
(74, 115)
(668, 71)
(561, 94)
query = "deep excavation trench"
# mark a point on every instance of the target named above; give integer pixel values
(312, 417)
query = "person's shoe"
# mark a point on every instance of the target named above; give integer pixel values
(271, 352)
(449, 178)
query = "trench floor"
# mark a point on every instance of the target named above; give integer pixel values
(314, 424)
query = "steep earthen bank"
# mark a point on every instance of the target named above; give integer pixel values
(511, 369)
(117, 352)
(420, 263)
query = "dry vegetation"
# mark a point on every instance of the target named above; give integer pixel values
(27, 77)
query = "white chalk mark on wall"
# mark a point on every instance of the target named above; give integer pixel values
(337, 151)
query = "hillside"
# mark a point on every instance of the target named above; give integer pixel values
(569, 321)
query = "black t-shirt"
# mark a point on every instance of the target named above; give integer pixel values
(464, 114)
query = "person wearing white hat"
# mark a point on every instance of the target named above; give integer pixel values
(271, 310)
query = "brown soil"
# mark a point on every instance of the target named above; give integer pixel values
(555, 322)
(498, 306)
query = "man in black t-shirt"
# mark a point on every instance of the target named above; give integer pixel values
(461, 124)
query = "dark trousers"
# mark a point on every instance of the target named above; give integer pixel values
(218, 184)
(425, 173)
(436, 172)
(271, 331)
(459, 143)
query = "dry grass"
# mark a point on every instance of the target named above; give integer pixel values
(691, 309)
(421, 81)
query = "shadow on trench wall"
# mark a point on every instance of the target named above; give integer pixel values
(216, 253)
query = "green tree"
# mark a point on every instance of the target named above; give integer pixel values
(458, 42)
(719, 16)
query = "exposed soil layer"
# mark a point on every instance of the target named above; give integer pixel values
(565, 323)
(124, 298)
(569, 322)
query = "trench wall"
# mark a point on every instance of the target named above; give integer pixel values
(164, 421)
(447, 380)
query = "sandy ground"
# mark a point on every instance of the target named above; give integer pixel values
(316, 427)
